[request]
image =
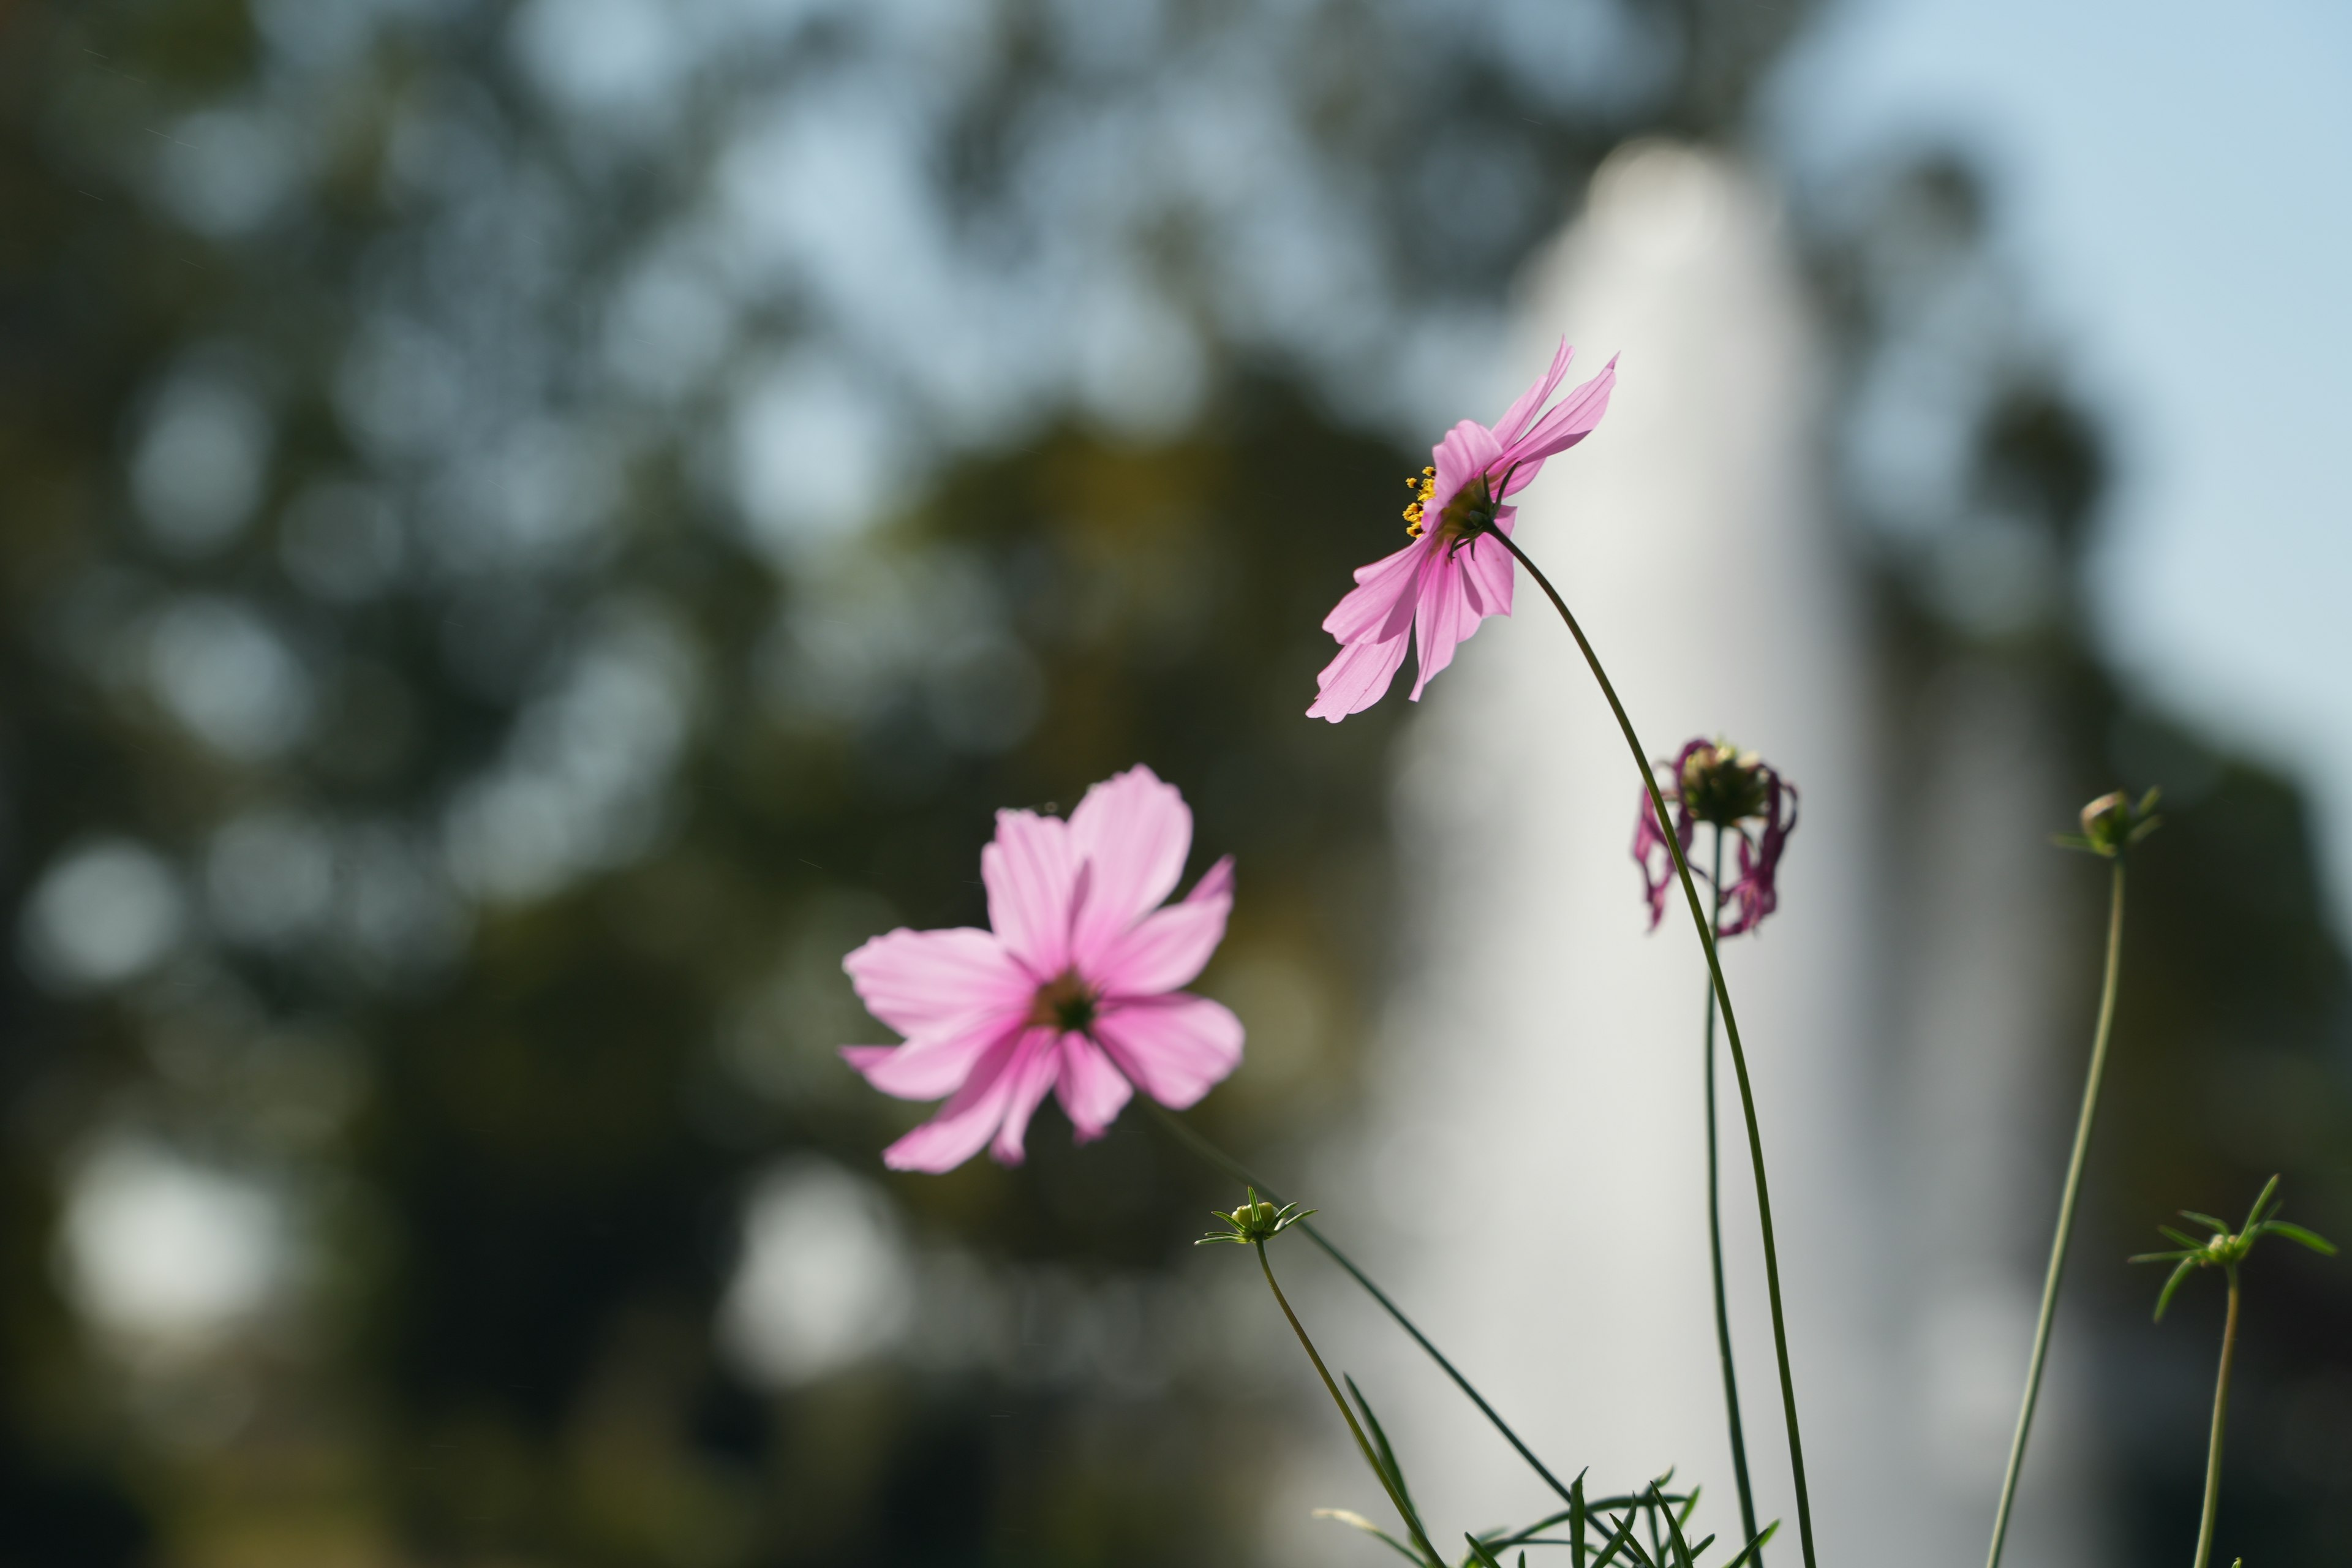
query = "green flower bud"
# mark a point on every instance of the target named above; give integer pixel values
(2114, 823)
(1254, 1222)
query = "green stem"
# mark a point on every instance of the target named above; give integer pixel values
(1730, 1032)
(1231, 1167)
(2100, 1035)
(1714, 1235)
(2220, 1408)
(1363, 1444)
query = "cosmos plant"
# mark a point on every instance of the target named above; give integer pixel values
(1076, 989)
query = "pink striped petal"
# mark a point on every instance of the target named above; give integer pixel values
(1174, 1049)
(1216, 883)
(1163, 950)
(1569, 423)
(963, 1125)
(1488, 571)
(1515, 418)
(933, 1067)
(1358, 677)
(1468, 450)
(1032, 874)
(1092, 1091)
(1134, 833)
(1445, 620)
(934, 982)
(1371, 609)
(1036, 1063)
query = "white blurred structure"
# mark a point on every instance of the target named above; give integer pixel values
(824, 1279)
(170, 1256)
(1530, 1183)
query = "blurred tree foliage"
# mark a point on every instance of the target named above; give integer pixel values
(532, 528)
(2235, 1044)
(458, 712)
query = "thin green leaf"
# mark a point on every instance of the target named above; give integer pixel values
(2295, 1232)
(2164, 1299)
(1478, 1550)
(1380, 1439)
(1633, 1544)
(1748, 1553)
(1497, 1541)
(2254, 1215)
(1621, 1537)
(1674, 1533)
(2218, 1226)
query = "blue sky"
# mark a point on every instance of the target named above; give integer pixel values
(2174, 185)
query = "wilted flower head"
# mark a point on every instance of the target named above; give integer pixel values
(1075, 989)
(1451, 576)
(1715, 782)
(1255, 1221)
(2114, 823)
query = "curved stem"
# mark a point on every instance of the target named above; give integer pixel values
(1730, 1034)
(2100, 1035)
(1231, 1167)
(1715, 1232)
(1363, 1444)
(2220, 1408)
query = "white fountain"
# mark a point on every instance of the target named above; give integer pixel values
(1527, 1174)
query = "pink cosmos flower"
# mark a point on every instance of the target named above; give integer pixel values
(1451, 577)
(1073, 990)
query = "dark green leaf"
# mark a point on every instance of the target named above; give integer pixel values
(1381, 1440)
(2187, 1267)
(1748, 1553)
(2295, 1232)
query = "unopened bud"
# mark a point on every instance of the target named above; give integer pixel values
(1255, 1220)
(2115, 822)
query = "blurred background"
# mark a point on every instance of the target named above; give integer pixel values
(530, 530)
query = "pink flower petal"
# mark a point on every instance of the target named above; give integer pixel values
(1569, 423)
(1162, 952)
(1445, 614)
(935, 1066)
(1468, 450)
(1514, 420)
(1036, 1063)
(1358, 677)
(1174, 1049)
(1488, 571)
(1092, 1091)
(963, 1125)
(1216, 883)
(1134, 833)
(1032, 874)
(1380, 606)
(933, 982)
